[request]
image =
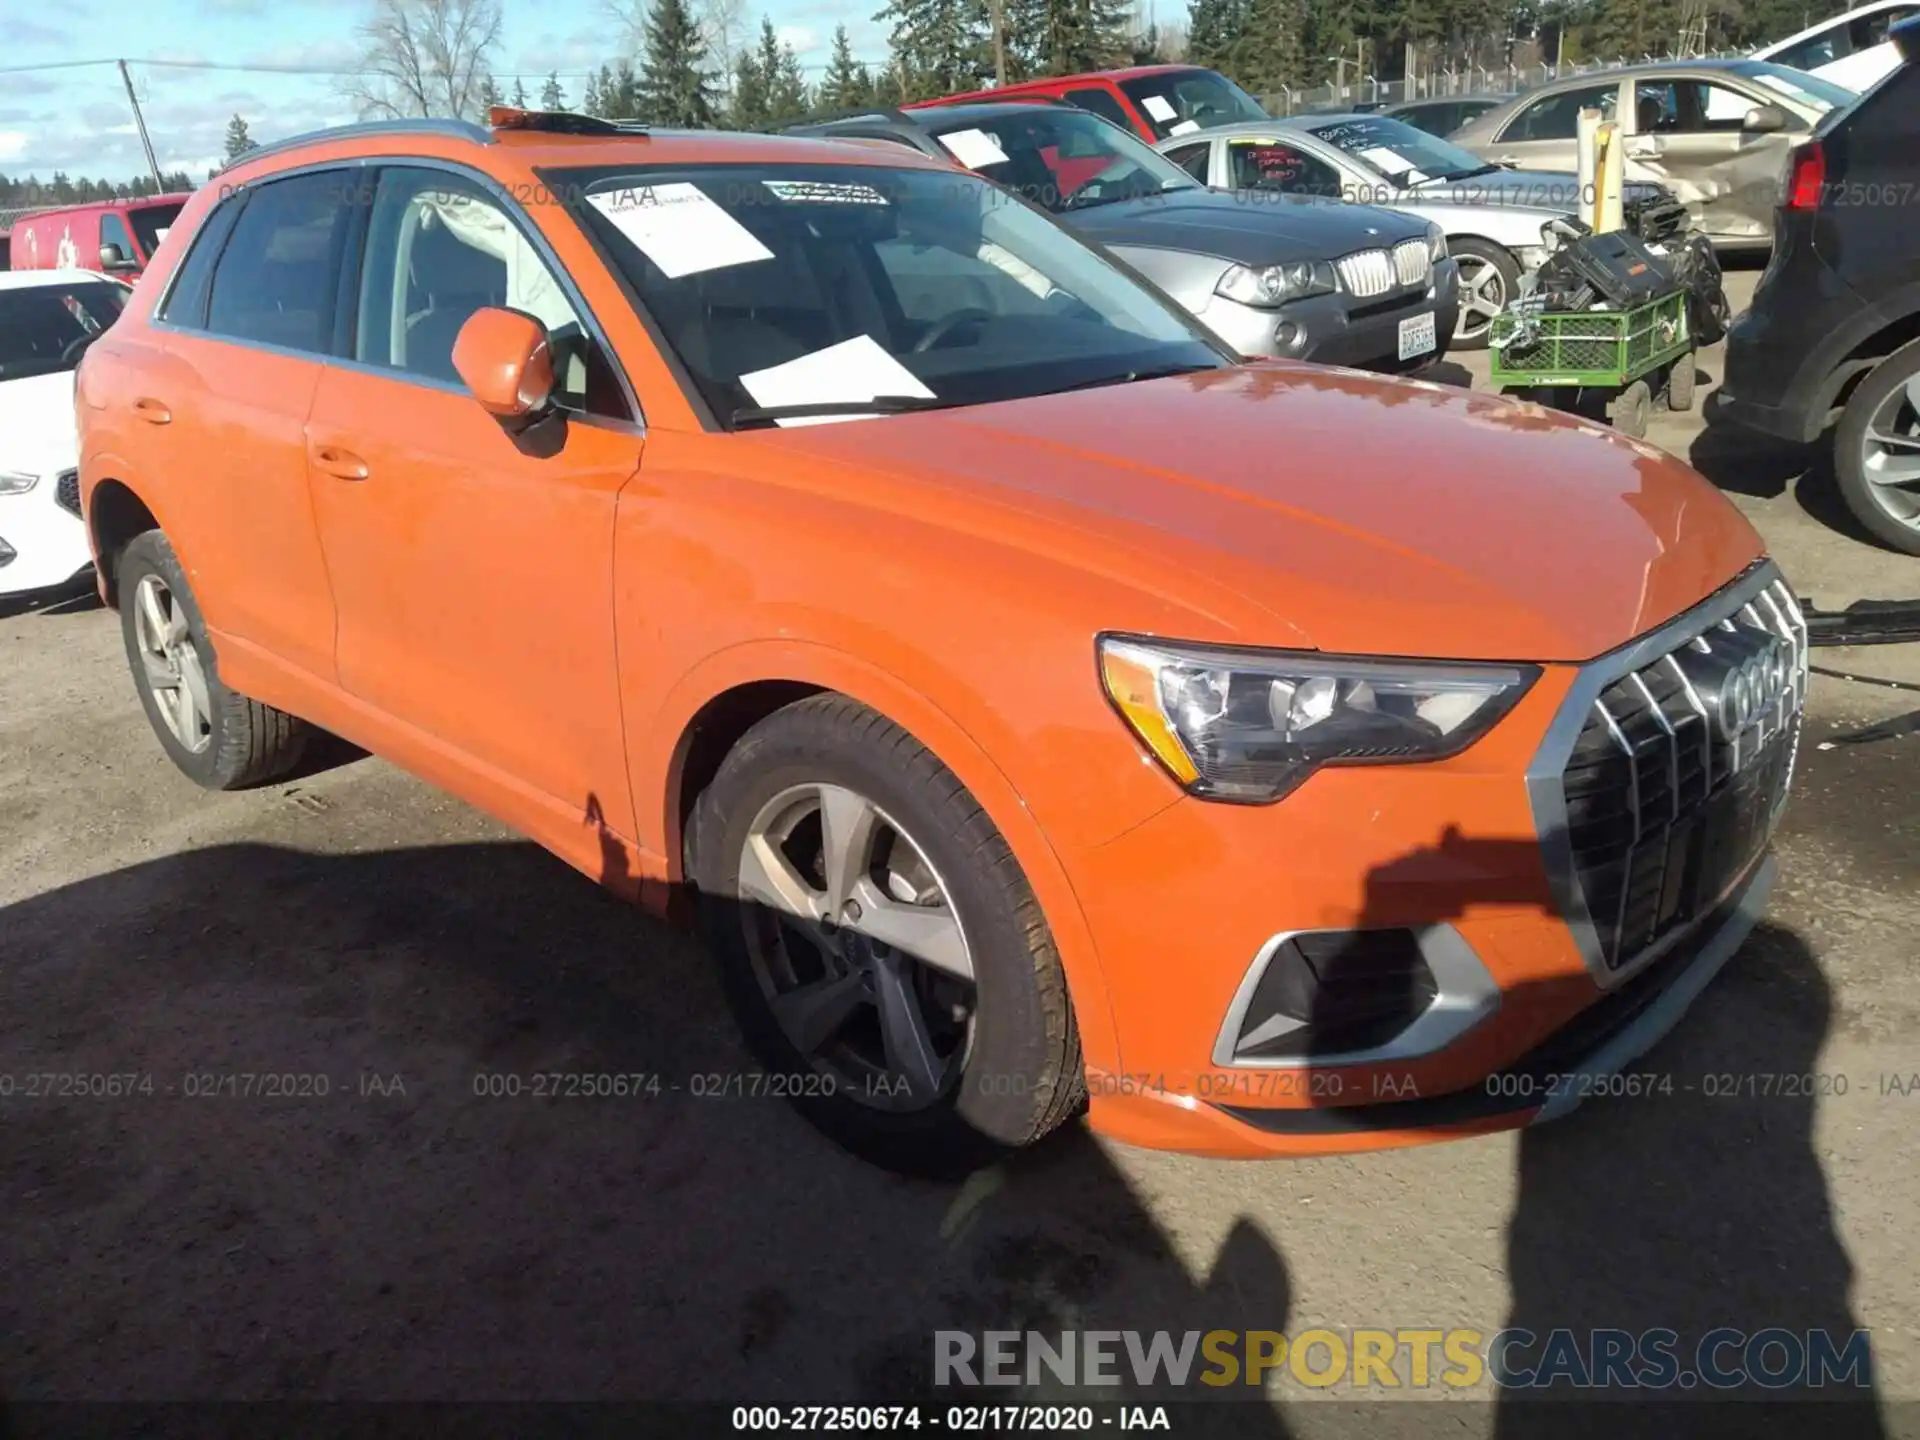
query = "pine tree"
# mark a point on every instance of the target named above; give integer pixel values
(590, 103)
(846, 85)
(238, 140)
(552, 96)
(1215, 28)
(620, 96)
(779, 73)
(747, 106)
(519, 94)
(1085, 35)
(490, 95)
(938, 46)
(675, 89)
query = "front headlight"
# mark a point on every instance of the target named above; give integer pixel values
(1271, 285)
(17, 482)
(1436, 243)
(1250, 725)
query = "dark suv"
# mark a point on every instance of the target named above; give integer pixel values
(1835, 321)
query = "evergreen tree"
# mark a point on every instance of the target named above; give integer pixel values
(1085, 35)
(675, 89)
(747, 106)
(238, 143)
(590, 103)
(1216, 27)
(490, 95)
(938, 46)
(552, 96)
(620, 96)
(780, 75)
(846, 85)
(519, 94)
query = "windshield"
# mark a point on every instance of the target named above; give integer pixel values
(151, 222)
(1061, 158)
(1400, 152)
(830, 285)
(1811, 91)
(1178, 102)
(46, 328)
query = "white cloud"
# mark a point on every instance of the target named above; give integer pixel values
(803, 38)
(13, 144)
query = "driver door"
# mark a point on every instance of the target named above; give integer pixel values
(1690, 135)
(473, 572)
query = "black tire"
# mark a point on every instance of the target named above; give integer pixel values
(1508, 268)
(1021, 1075)
(1680, 383)
(1629, 410)
(248, 743)
(1849, 442)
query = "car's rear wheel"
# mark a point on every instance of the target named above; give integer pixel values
(218, 737)
(880, 946)
(1876, 451)
(1488, 273)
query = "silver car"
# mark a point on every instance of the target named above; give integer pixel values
(1714, 132)
(1492, 218)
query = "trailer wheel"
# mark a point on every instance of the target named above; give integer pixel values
(1680, 378)
(1629, 410)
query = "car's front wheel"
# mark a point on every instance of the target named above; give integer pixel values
(1876, 450)
(1488, 274)
(879, 943)
(220, 738)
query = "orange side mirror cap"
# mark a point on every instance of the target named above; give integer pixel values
(506, 361)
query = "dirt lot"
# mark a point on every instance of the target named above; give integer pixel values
(404, 1237)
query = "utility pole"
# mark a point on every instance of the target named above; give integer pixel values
(998, 12)
(140, 124)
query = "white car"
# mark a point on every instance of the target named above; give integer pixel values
(1851, 49)
(47, 320)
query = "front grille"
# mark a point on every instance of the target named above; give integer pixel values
(1680, 769)
(1366, 273)
(1411, 262)
(66, 493)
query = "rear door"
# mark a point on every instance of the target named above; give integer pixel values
(247, 323)
(474, 569)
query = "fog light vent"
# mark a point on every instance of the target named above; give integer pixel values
(1328, 992)
(7, 552)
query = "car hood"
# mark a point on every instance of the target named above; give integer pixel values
(1302, 505)
(37, 430)
(1255, 228)
(1546, 189)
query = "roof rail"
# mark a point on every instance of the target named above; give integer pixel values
(451, 129)
(891, 113)
(560, 122)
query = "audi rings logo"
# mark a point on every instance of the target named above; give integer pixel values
(1751, 689)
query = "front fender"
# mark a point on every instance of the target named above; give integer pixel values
(660, 754)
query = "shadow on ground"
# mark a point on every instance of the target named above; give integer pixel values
(411, 1233)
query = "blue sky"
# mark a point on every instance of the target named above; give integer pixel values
(78, 120)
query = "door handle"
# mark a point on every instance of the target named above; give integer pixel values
(341, 464)
(152, 411)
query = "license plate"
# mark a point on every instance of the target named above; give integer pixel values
(1416, 335)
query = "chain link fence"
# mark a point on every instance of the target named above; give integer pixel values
(1472, 80)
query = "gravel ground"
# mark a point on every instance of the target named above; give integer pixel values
(404, 1237)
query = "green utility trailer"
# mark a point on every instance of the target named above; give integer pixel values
(1597, 361)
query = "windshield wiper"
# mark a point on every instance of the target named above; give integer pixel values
(878, 405)
(1453, 175)
(1147, 372)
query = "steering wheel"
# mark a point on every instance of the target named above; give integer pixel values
(77, 346)
(971, 315)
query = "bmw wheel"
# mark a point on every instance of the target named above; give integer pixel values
(1488, 274)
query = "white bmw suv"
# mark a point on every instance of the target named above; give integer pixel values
(47, 320)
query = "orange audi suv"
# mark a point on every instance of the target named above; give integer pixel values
(1038, 707)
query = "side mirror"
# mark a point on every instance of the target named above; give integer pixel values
(1764, 119)
(505, 360)
(112, 257)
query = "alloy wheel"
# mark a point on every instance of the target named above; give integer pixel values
(1890, 455)
(171, 664)
(856, 946)
(1483, 295)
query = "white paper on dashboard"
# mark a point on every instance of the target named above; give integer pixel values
(161, 233)
(856, 369)
(1185, 127)
(1381, 158)
(973, 148)
(1158, 108)
(679, 228)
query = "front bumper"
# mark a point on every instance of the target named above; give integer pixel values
(1339, 330)
(1453, 850)
(47, 540)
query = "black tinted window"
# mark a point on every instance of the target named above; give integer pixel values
(275, 279)
(186, 302)
(45, 328)
(1101, 103)
(113, 232)
(1558, 116)
(1193, 159)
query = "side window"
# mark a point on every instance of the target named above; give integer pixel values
(1101, 103)
(1192, 158)
(1557, 117)
(1829, 45)
(275, 279)
(113, 231)
(1871, 30)
(439, 248)
(1269, 165)
(186, 301)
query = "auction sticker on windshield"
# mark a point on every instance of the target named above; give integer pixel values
(973, 148)
(1158, 108)
(1417, 335)
(679, 228)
